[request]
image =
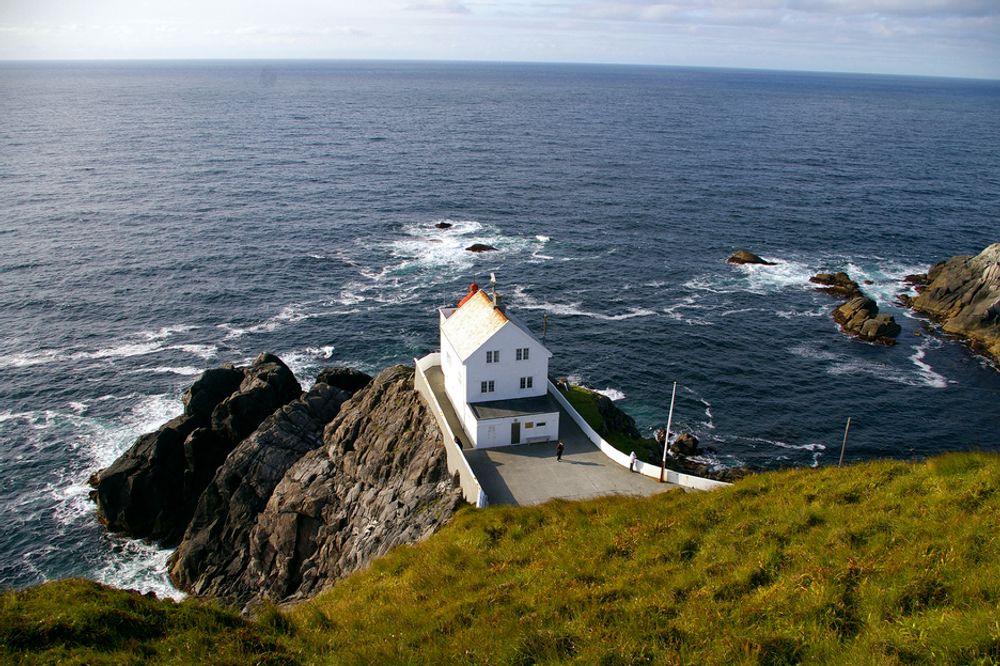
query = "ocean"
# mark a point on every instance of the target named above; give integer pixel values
(162, 218)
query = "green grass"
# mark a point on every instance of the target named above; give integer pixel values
(877, 563)
(584, 401)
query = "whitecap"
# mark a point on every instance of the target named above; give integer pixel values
(843, 364)
(611, 393)
(165, 332)
(78, 407)
(523, 300)
(543, 239)
(138, 566)
(202, 351)
(184, 370)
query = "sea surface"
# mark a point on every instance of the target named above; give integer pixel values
(157, 219)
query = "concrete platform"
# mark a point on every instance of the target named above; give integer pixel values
(529, 473)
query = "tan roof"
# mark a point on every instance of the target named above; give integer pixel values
(470, 326)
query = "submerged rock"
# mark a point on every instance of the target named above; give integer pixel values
(151, 490)
(747, 257)
(963, 293)
(443, 225)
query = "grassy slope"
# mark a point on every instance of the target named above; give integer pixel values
(878, 563)
(584, 401)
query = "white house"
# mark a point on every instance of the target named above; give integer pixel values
(496, 374)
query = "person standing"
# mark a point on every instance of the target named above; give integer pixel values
(631, 462)
(560, 447)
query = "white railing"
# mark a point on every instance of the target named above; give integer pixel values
(646, 469)
(471, 489)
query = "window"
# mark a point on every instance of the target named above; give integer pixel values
(526, 382)
(486, 387)
(540, 424)
(529, 424)
(522, 354)
(493, 357)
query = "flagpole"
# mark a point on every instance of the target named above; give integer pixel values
(666, 439)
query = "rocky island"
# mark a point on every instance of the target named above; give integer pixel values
(963, 294)
(858, 315)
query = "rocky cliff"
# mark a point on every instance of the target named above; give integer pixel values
(963, 293)
(151, 490)
(278, 525)
(273, 493)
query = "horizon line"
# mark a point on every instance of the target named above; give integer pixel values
(4, 61)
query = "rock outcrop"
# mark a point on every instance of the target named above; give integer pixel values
(860, 317)
(614, 420)
(747, 257)
(379, 480)
(837, 284)
(480, 247)
(963, 293)
(444, 225)
(685, 444)
(213, 552)
(151, 490)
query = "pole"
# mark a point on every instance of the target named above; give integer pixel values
(666, 439)
(843, 446)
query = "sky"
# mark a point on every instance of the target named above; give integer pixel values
(959, 38)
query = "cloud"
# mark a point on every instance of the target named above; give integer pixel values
(440, 7)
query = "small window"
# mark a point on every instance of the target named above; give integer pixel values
(486, 387)
(540, 424)
(522, 354)
(529, 424)
(526, 382)
(493, 357)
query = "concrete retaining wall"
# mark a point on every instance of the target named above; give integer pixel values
(471, 490)
(679, 478)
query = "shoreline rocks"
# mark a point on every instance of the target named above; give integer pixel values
(963, 294)
(746, 257)
(480, 247)
(858, 316)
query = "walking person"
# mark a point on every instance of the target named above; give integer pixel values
(560, 447)
(631, 462)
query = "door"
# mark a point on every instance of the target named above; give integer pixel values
(515, 433)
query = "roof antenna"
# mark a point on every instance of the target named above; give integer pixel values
(493, 285)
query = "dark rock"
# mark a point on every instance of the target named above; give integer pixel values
(151, 490)
(839, 284)
(918, 281)
(480, 247)
(963, 293)
(346, 379)
(267, 385)
(443, 225)
(747, 257)
(614, 420)
(379, 480)
(686, 444)
(213, 554)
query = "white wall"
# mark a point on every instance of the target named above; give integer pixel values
(500, 434)
(472, 491)
(506, 374)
